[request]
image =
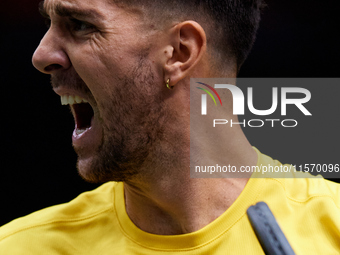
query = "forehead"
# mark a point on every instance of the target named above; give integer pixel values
(102, 9)
(57, 6)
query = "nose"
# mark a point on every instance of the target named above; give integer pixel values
(50, 56)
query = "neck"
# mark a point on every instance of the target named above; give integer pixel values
(166, 200)
(181, 208)
(170, 202)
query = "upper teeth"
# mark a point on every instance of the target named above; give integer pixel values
(69, 99)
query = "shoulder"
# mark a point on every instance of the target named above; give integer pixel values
(304, 188)
(306, 207)
(297, 185)
(51, 222)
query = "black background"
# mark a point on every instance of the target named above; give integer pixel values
(296, 39)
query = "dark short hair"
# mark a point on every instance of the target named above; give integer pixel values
(230, 25)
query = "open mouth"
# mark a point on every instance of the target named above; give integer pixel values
(82, 112)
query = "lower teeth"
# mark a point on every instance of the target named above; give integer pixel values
(80, 131)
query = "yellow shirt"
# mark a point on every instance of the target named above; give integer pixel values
(307, 210)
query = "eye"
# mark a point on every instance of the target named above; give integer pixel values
(80, 26)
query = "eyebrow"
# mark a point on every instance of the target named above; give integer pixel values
(64, 11)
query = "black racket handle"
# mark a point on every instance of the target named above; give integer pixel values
(268, 232)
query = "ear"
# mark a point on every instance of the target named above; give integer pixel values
(188, 45)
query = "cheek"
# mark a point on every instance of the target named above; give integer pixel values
(107, 69)
(97, 67)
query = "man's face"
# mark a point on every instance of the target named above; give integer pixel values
(99, 53)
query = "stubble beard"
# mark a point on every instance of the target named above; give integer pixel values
(133, 128)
